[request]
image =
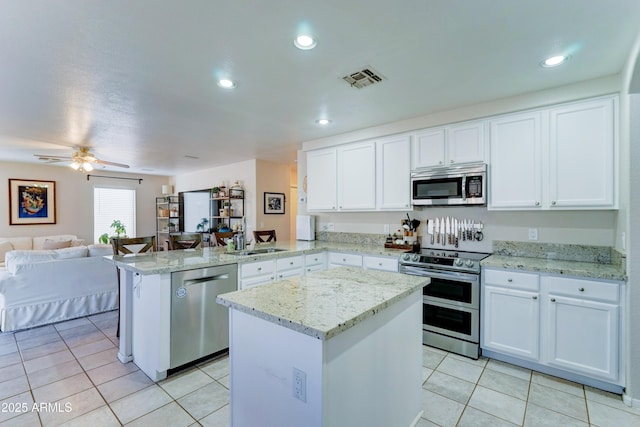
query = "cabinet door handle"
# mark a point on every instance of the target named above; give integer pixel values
(259, 268)
(291, 263)
(553, 203)
(440, 162)
(581, 289)
(553, 300)
(509, 280)
(535, 297)
(380, 264)
(344, 260)
(537, 203)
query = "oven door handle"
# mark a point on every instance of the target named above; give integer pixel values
(436, 274)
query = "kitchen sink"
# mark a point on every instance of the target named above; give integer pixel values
(260, 251)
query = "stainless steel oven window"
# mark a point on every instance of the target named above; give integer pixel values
(453, 288)
(452, 321)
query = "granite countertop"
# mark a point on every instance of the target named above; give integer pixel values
(187, 259)
(555, 266)
(325, 303)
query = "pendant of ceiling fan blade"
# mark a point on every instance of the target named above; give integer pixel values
(104, 162)
(52, 158)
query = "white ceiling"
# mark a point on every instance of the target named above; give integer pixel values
(135, 80)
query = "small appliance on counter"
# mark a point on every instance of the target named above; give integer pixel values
(305, 227)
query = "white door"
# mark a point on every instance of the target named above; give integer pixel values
(394, 173)
(583, 336)
(581, 155)
(321, 180)
(357, 176)
(515, 168)
(466, 143)
(429, 148)
(511, 322)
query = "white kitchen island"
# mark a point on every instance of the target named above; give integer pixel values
(341, 347)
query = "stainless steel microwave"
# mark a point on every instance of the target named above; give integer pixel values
(449, 186)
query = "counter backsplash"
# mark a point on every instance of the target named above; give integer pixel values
(565, 252)
(355, 238)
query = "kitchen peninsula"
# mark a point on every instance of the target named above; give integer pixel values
(146, 293)
(337, 347)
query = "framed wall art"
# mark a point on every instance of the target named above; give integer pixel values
(32, 202)
(273, 203)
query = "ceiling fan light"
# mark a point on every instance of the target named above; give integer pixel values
(87, 167)
(75, 165)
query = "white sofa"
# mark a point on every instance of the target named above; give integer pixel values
(41, 286)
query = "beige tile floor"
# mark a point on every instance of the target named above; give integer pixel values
(71, 368)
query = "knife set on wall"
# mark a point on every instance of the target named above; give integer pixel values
(449, 231)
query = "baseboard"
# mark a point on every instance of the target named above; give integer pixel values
(630, 401)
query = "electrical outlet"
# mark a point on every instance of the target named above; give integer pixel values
(331, 226)
(533, 234)
(386, 229)
(299, 384)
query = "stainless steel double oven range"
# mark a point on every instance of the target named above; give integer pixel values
(451, 303)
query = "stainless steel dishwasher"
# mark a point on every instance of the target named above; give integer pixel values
(199, 326)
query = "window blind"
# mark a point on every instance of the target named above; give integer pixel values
(111, 204)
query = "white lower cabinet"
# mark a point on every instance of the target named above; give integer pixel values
(582, 326)
(315, 262)
(381, 263)
(338, 259)
(566, 323)
(511, 313)
(256, 273)
(289, 267)
(262, 272)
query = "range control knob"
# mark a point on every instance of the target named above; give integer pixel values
(458, 262)
(469, 263)
(415, 258)
(406, 257)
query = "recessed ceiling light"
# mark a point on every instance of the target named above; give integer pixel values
(305, 42)
(554, 61)
(226, 83)
(323, 122)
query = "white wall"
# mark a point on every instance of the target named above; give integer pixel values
(74, 199)
(594, 228)
(630, 209)
(244, 172)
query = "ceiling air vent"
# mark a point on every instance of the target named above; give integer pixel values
(365, 77)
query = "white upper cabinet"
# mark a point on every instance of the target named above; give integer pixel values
(515, 172)
(428, 148)
(357, 176)
(466, 143)
(555, 158)
(449, 145)
(393, 173)
(362, 176)
(322, 179)
(582, 155)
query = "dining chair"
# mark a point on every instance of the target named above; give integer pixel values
(130, 245)
(260, 236)
(221, 237)
(185, 241)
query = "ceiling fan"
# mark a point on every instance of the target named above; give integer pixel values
(81, 160)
